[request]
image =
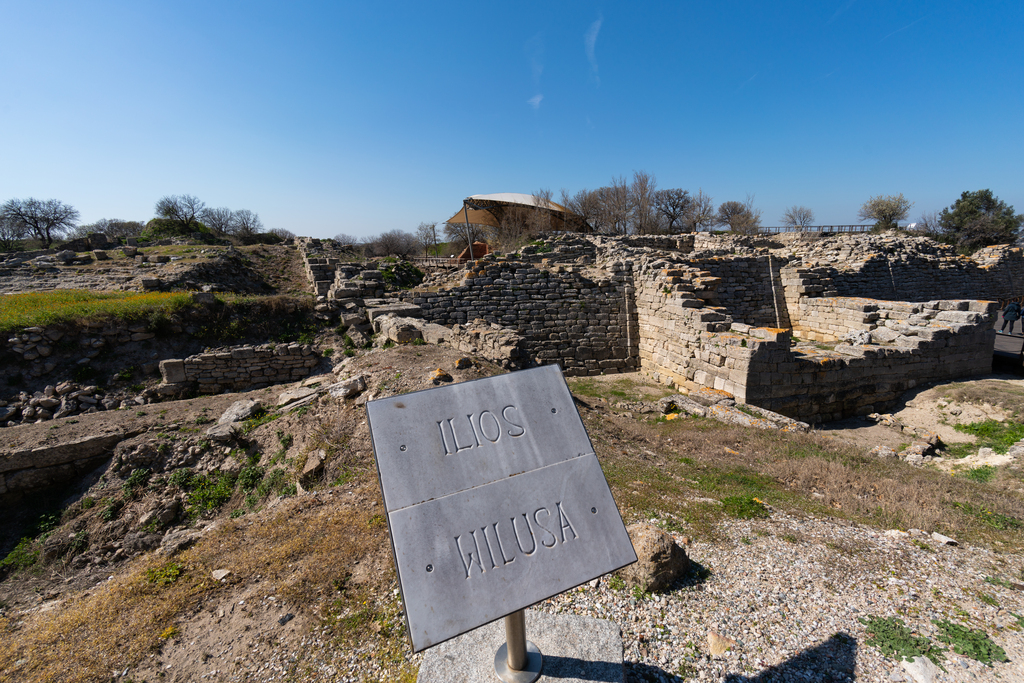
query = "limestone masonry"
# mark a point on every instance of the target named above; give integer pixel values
(817, 329)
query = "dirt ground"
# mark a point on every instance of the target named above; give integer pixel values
(256, 621)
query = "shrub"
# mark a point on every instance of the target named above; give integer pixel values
(182, 479)
(21, 557)
(209, 492)
(250, 477)
(166, 574)
(272, 483)
(112, 510)
(135, 481)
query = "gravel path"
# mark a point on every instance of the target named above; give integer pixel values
(790, 591)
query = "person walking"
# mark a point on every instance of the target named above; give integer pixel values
(1010, 315)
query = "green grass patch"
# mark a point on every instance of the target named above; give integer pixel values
(970, 643)
(988, 517)
(998, 436)
(982, 474)
(261, 417)
(30, 309)
(744, 507)
(274, 482)
(892, 637)
(166, 574)
(250, 477)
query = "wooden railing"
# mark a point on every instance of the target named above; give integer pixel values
(437, 262)
(816, 228)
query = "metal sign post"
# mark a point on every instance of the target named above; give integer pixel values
(495, 501)
(518, 660)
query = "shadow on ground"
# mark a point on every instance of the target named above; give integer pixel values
(833, 661)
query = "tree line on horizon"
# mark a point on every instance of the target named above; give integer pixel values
(637, 207)
(47, 221)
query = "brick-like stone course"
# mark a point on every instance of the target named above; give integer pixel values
(588, 327)
(241, 367)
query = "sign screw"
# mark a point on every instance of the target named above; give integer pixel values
(593, 511)
(554, 410)
(430, 568)
(401, 448)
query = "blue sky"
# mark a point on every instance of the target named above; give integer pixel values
(361, 117)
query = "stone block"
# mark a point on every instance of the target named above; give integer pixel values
(172, 371)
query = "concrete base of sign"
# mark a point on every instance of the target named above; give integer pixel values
(576, 649)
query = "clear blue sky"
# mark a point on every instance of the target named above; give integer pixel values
(361, 117)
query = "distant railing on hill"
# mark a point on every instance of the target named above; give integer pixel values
(437, 262)
(816, 228)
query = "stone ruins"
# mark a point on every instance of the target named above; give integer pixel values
(815, 329)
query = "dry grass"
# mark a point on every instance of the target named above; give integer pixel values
(302, 552)
(658, 468)
(993, 392)
(280, 266)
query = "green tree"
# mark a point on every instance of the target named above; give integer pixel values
(885, 210)
(979, 219)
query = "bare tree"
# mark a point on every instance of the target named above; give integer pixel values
(45, 220)
(346, 240)
(185, 209)
(11, 232)
(740, 217)
(673, 205)
(539, 220)
(426, 234)
(113, 228)
(391, 243)
(885, 210)
(798, 217)
(281, 233)
(702, 212)
(614, 207)
(247, 225)
(517, 222)
(585, 203)
(221, 220)
(645, 218)
(929, 224)
(462, 232)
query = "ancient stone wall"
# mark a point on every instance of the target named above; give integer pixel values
(818, 385)
(749, 288)
(683, 339)
(586, 326)
(241, 367)
(911, 269)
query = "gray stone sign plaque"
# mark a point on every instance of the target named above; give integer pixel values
(495, 500)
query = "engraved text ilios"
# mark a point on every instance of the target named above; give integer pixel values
(476, 430)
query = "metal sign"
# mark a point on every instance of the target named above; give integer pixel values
(494, 497)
